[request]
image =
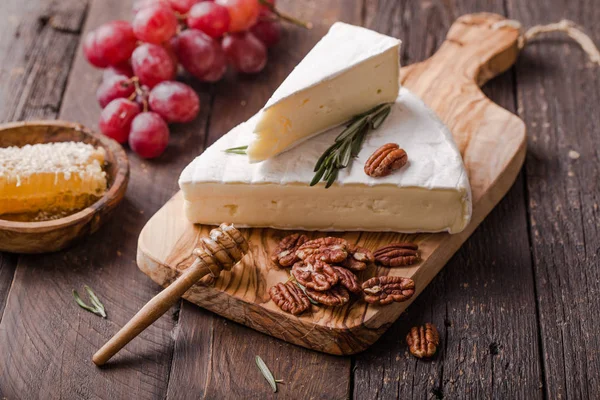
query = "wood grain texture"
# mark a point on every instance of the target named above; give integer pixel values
(34, 65)
(214, 358)
(48, 236)
(46, 340)
(491, 141)
(558, 95)
(468, 300)
(25, 91)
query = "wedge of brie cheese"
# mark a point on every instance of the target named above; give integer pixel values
(429, 194)
(351, 70)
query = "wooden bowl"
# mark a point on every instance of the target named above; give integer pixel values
(47, 236)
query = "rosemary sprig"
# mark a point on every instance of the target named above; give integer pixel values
(97, 307)
(285, 17)
(301, 286)
(237, 150)
(267, 374)
(348, 144)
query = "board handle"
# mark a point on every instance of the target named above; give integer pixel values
(478, 46)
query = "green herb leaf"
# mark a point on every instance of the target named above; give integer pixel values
(347, 144)
(301, 286)
(318, 175)
(379, 118)
(266, 373)
(237, 150)
(97, 307)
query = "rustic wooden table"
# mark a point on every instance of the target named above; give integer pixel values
(517, 306)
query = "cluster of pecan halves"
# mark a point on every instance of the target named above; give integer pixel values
(324, 272)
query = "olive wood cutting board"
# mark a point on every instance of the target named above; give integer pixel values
(491, 141)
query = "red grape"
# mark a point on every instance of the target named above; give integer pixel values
(268, 32)
(115, 119)
(115, 87)
(149, 135)
(110, 44)
(174, 101)
(139, 4)
(152, 64)
(121, 69)
(246, 53)
(182, 6)
(155, 24)
(200, 55)
(209, 18)
(243, 13)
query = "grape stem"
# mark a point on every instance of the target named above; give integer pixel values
(139, 92)
(286, 17)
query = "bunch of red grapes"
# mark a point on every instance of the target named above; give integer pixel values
(139, 94)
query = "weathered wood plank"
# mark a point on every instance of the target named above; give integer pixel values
(32, 73)
(558, 95)
(468, 301)
(38, 42)
(229, 361)
(32, 77)
(46, 340)
(8, 263)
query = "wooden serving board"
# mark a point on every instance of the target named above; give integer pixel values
(491, 141)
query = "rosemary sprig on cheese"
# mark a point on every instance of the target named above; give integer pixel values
(237, 150)
(348, 144)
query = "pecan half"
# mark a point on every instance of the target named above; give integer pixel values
(386, 289)
(289, 297)
(358, 259)
(285, 253)
(315, 274)
(328, 249)
(348, 279)
(398, 254)
(386, 159)
(336, 296)
(423, 341)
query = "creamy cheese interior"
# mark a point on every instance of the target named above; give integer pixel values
(429, 194)
(345, 208)
(350, 71)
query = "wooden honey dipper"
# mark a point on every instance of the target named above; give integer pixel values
(224, 248)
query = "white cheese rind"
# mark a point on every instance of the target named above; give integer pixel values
(430, 194)
(351, 70)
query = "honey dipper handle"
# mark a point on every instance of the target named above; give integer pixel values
(152, 311)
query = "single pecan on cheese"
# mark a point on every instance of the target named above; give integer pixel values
(397, 254)
(328, 249)
(387, 289)
(285, 252)
(423, 341)
(385, 159)
(348, 279)
(315, 274)
(358, 259)
(290, 298)
(336, 296)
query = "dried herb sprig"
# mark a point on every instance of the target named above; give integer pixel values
(96, 308)
(237, 150)
(301, 286)
(348, 144)
(267, 374)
